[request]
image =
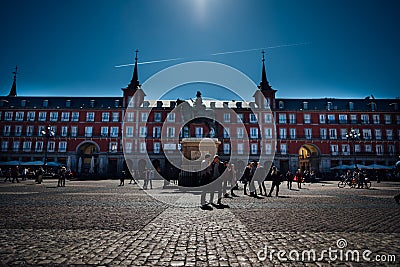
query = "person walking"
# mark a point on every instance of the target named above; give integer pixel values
(276, 181)
(289, 179)
(61, 177)
(122, 178)
(39, 175)
(218, 169)
(15, 173)
(234, 184)
(259, 176)
(299, 178)
(246, 177)
(225, 178)
(7, 174)
(252, 187)
(132, 175)
(205, 174)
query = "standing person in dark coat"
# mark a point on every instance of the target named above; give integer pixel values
(218, 169)
(205, 175)
(246, 177)
(276, 180)
(259, 176)
(252, 187)
(15, 174)
(289, 178)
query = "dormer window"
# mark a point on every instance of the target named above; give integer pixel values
(351, 105)
(305, 105)
(373, 106)
(45, 103)
(92, 103)
(23, 103)
(116, 103)
(329, 105)
(281, 105)
(68, 103)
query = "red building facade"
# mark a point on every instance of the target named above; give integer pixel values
(92, 134)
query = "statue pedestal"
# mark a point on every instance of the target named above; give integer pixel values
(194, 150)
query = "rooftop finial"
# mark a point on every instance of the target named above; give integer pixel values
(136, 58)
(134, 84)
(13, 90)
(263, 52)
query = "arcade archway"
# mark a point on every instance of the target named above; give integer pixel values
(309, 157)
(87, 157)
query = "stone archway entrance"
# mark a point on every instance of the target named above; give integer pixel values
(88, 158)
(309, 157)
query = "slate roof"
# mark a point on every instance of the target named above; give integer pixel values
(60, 102)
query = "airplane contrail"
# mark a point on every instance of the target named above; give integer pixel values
(254, 49)
(149, 62)
(214, 54)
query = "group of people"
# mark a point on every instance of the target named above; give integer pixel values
(216, 176)
(147, 175)
(356, 177)
(13, 174)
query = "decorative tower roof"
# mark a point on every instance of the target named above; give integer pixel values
(264, 85)
(134, 84)
(13, 90)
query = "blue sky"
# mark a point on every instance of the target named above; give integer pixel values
(71, 47)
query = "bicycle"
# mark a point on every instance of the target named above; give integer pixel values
(349, 181)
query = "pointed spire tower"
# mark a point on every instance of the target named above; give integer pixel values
(133, 92)
(265, 95)
(13, 90)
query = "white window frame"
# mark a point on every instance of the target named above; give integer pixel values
(144, 116)
(65, 116)
(253, 148)
(283, 149)
(115, 116)
(39, 146)
(104, 131)
(90, 116)
(170, 132)
(307, 118)
(143, 131)
(19, 116)
(282, 118)
(227, 117)
(171, 117)
(227, 148)
(308, 133)
(292, 133)
(129, 131)
(31, 116)
(74, 131)
(62, 146)
(75, 116)
(282, 133)
(156, 147)
(29, 130)
(157, 132)
(253, 132)
(240, 132)
(105, 116)
(88, 131)
(114, 131)
(26, 146)
(253, 118)
(42, 116)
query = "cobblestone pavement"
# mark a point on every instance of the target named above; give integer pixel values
(99, 223)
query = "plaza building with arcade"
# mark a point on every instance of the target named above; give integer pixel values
(92, 135)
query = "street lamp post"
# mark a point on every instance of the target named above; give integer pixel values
(353, 135)
(48, 132)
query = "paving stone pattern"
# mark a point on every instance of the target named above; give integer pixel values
(99, 223)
